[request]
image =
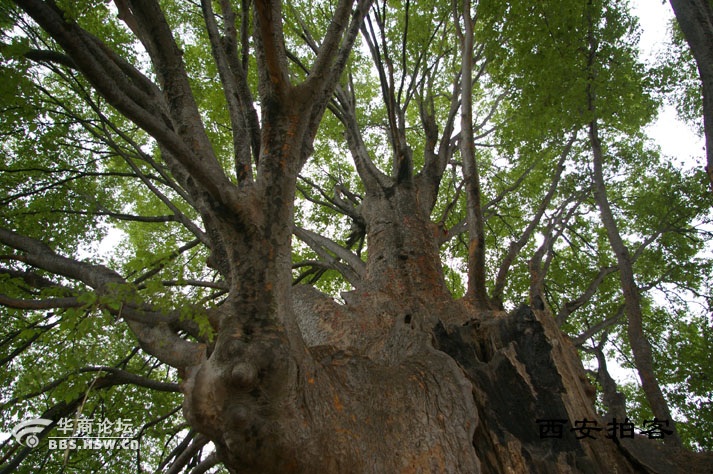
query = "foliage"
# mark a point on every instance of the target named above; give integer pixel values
(677, 79)
(75, 170)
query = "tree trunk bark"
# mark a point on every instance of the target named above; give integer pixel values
(476, 222)
(401, 378)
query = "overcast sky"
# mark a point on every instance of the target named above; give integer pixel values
(674, 137)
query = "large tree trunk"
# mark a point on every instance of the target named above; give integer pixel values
(398, 378)
(401, 378)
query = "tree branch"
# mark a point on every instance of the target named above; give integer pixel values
(353, 269)
(581, 339)
(210, 461)
(224, 52)
(158, 340)
(123, 377)
(36, 304)
(185, 456)
(475, 220)
(516, 246)
(372, 177)
(274, 76)
(50, 57)
(135, 96)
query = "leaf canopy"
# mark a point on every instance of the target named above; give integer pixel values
(75, 171)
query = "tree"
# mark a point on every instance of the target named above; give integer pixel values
(695, 18)
(313, 271)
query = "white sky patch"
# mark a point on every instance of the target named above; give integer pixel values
(104, 249)
(654, 17)
(675, 138)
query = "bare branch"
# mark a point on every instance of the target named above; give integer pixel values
(435, 162)
(123, 377)
(185, 456)
(137, 97)
(331, 62)
(159, 265)
(516, 246)
(222, 48)
(581, 339)
(210, 461)
(274, 76)
(329, 48)
(373, 178)
(50, 57)
(38, 331)
(36, 304)
(571, 306)
(159, 339)
(240, 68)
(475, 220)
(353, 269)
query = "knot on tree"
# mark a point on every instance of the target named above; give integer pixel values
(244, 374)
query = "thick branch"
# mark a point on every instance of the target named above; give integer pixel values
(373, 179)
(50, 57)
(36, 304)
(538, 268)
(476, 224)
(384, 66)
(329, 48)
(516, 246)
(135, 96)
(602, 325)
(185, 456)
(353, 269)
(239, 68)
(158, 340)
(428, 180)
(327, 70)
(206, 464)
(225, 51)
(640, 346)
(573, 305)
(275, 80)
(123, 377)
(614, 400)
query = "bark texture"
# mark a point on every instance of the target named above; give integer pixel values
(401, 378)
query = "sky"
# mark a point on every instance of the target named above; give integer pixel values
(673, 136)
